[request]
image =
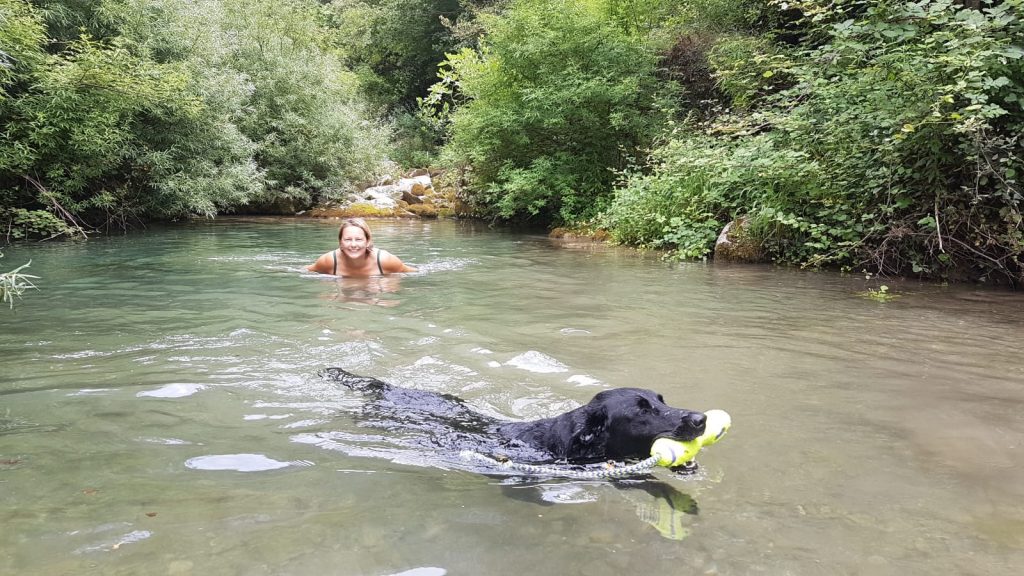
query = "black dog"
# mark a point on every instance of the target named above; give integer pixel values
(617, 424)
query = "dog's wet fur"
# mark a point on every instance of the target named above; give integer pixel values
(617, 424)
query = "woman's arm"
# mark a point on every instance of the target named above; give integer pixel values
(392, 264)
(324, 264)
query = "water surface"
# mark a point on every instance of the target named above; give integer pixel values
(161, 411)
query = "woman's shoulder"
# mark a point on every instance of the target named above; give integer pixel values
(390, 263)
(383, 259)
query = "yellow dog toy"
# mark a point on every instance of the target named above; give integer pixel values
(671, 453)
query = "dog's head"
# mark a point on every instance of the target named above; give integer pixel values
(624, 422)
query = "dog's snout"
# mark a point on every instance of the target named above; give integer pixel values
(695, 420)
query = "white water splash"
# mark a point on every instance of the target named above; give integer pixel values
(236, 462)
(582, 380)
(172, 391)
(534, 361)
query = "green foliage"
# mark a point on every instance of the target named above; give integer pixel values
(395, 45)
(637, 16)
(748, 68)
(22, 37)
(415, 140)
(673, 18)
(176, 108)
(892, 143)
(68, 19)
(273, 71)
(696, 184)
(313, 135)
(21, 224)
(78, 118)
(556, 97)
(674, 213)
(914, 114)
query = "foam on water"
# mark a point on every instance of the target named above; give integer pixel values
(236, 462)
(172, 391)
(534, 361)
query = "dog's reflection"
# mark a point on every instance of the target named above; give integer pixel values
(657, 503)
(662, 506)
(372, 291)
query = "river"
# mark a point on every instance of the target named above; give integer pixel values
(161, 410)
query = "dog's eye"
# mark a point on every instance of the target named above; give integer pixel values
(661, 398)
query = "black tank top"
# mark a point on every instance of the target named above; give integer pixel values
(334, 254)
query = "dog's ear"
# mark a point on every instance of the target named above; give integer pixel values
(588, 439)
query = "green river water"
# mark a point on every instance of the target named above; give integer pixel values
(161, 410)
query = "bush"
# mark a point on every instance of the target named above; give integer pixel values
(177, 108)
(556, 98)
(892, 145)
(696, 185)
(21, 224)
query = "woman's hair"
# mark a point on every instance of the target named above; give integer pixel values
(361, 224)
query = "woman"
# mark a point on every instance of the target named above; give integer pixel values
(356, 256)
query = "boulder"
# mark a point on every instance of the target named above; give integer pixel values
(735, 244)
(386, 196)
(411, 197)
(424, 210)
(407, 184)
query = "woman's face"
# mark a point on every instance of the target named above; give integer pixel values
(353, 241)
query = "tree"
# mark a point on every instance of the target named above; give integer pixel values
(556, 97)
(140, 110)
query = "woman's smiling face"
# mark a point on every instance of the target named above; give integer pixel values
(353, 241)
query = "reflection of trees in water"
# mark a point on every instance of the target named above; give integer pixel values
(371, 291)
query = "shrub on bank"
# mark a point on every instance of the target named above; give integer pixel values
(894, 145)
